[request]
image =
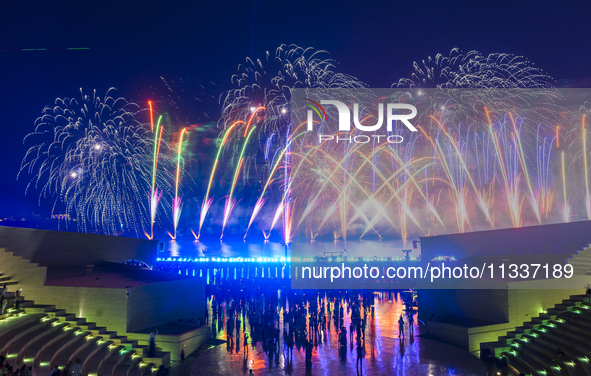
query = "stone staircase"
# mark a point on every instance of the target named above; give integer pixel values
(532, 348)
(581, 261)
(42, 336)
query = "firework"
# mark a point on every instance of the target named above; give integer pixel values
(154, 196)
(88, 156)
(230, 202)
(268, 83)
(474, 70)
(177, 201)
(265, 86)
(206, 205)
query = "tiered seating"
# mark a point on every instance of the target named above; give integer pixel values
(581, 261)
(532, 348)
(41, 335)
(11, 312)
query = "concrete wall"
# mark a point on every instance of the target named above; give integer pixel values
(487, 305)
(106, 307)
(59, 248)
(188, 341)
(21, 270)
(452, 334)
(147, 306)
(522, 305)
(156, 304)
(561, 238)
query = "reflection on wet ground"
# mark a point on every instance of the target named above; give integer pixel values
(385, 353)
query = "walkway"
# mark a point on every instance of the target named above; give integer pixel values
(385, 354)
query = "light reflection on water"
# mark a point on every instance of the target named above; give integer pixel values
(240, 248)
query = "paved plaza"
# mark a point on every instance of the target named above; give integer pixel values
(385, 354)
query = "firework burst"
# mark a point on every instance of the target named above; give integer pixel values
(90, 156)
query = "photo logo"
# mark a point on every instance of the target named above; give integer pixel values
(345, 120)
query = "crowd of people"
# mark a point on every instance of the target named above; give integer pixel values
(269, 312)
(8, 370)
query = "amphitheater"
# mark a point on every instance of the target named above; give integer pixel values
(79, 301)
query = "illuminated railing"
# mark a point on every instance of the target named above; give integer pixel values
(281, 260)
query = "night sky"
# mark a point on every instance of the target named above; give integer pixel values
(133, 43)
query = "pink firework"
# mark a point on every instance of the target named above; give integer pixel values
(176, 214)
(276, 217)
(204, 210)
(228, 207)
(257, 208)
(154, 201)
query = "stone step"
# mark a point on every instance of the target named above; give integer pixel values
(66, 317)
(63, 356)
(94, 358)
(555, 311)
(136, 369)
(21, 344)
(76, 321)
(108, 362)
(540, 320)
(147, 369)
(33, 350)
(579, 262)
(56, 312)
(99, 330)
(525, 364)
(141, 349)
(85, 352)
(531, 351)
(562, 307)
(569, 333)
(10, 336)
(14, 324)
(580, 298)
(42, 365)
(39, 308)
(12, 314)
(563, 341)
(10, 283)
(160, 358)
(51, 336)
(129, 361)
(582, 367)
(575, 327)
(119, 362)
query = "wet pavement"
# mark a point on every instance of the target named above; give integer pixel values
(385, 353)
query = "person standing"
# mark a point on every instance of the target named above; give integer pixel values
(401, 327)
(363, 328)
(152, 344)
(245, 343)
(76, 368)
(359, 354)
(3, 302)
(25, 371)
(55, 371)
(66, 370)
(17, 302)
(308, 354)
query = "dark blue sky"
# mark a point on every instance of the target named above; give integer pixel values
(132, 43)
